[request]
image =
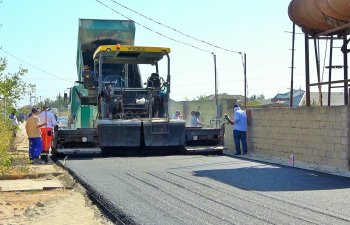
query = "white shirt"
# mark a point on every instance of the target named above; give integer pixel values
(51, 120)
(194, 121)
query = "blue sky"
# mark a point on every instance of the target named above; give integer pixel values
(44, 34)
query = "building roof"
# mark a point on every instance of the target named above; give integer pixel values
(284, 98)
(287, 94)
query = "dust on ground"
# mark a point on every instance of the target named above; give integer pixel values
(58, 206)
(48, 207)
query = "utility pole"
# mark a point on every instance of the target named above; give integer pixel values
(292, 70)
(32, 95)
(59, 104)
(245, 79)
(216, 88)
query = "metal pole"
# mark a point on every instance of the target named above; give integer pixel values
(317, 56)
(59, 104)
(307, 70)
(330, 71)
(245, 81)
(346, 91)
(216, 87)
(292, 69)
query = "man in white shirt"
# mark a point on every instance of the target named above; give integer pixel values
(46, 132)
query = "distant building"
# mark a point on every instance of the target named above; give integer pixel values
(337, 98)
(299, 98)
(284, 98)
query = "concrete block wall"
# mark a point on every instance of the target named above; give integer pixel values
(314, 135)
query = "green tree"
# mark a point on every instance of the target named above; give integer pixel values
(261, 96)
(12, 89)
(252, 98)
(12, 86)
(201, 98)
(256, 97)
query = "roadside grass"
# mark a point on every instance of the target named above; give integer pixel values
(12, 163)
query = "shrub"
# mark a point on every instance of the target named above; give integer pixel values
(6, 142)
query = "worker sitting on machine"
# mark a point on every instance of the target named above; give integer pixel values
(105, 98)
(153, 81)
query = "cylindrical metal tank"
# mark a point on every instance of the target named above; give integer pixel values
(315, 16)
(338, 9)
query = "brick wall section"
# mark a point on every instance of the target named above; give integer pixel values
(315, 135)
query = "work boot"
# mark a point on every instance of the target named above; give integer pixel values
(37, 161)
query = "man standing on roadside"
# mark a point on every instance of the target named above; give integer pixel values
(46, 132)
(239, 123)
(34, 134)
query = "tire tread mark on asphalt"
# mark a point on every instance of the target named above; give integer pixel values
(317, 211)
(145, 199)
(213, 200)
(209, 165)
(177, 198)
(153, 186)
(100, 200)
(282, 210)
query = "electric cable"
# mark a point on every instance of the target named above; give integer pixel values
(176, 30)
(156, 32)
(21, 60)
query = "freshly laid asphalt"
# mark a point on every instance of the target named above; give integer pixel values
(195, 189)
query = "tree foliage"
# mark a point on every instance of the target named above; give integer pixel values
(59, 103)
(12, 86)
(202, 97)
(6, 141)
(256, 97)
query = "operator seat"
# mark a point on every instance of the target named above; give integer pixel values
(153, 81)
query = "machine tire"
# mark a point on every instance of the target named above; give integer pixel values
(105, 152)
(55, 153)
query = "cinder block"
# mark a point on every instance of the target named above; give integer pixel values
(321, 153)
(336, 140)
(329, 154)
(340, 148)
(341, 164)
(317, 160)
(341, 155)
(344, 140)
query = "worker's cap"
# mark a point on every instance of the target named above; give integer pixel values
(34, 110)
(236, 107)
(178, 111)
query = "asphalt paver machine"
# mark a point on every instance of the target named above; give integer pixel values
(111, 108)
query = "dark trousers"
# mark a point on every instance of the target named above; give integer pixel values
(238, 137)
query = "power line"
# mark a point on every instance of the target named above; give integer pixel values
(176, 30)
(163, 35)
(21, 60)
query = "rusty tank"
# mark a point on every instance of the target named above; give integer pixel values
(316, 16)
